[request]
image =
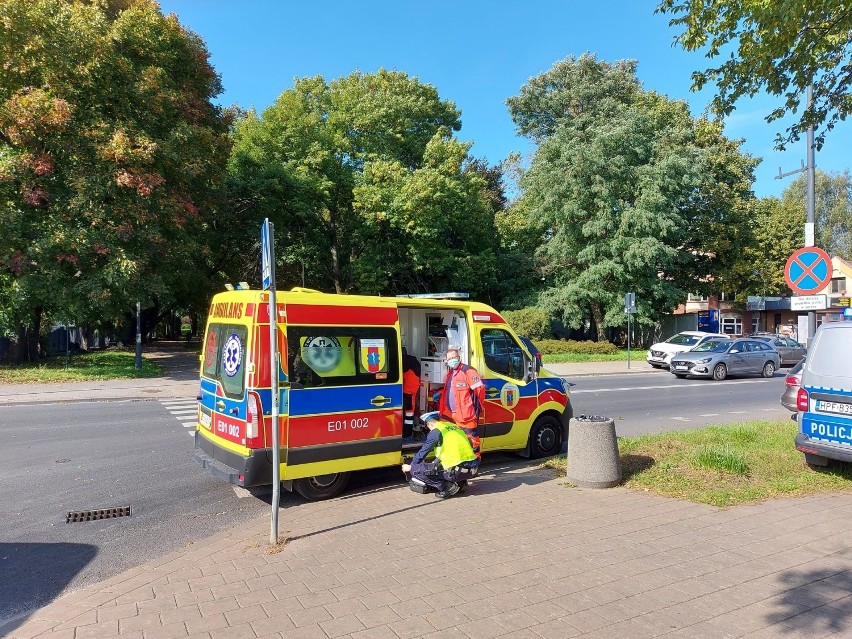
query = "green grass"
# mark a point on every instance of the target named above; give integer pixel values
(111, 364)
(724, 465)
(572, 358)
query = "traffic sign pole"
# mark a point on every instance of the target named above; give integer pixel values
(267, 269)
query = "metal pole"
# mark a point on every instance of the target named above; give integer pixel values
(810, 234)
(628, 339)
(273, 347)
(67, 346)
(138, 335)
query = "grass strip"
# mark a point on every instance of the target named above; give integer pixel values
(726, 465)
(109, 364)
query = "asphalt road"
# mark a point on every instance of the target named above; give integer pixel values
(59, 458)
(657, 401)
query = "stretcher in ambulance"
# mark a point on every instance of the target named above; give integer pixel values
(340, 384)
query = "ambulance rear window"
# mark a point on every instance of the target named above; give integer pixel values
(224, 357)
(340, 356)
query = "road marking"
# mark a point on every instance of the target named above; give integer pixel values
(182, 409)
(680, 419)
(717, 414)
(738, 412)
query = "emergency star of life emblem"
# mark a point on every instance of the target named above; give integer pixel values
(322, 354)
(232, 355)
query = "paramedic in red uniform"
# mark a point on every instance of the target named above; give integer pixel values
(463, 397)
(410, 388)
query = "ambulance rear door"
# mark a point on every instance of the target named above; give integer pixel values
(345, 396)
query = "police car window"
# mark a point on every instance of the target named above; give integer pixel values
(232, 359)
(502, 353)
(335, 356)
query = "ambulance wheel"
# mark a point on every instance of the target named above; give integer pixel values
(321, 486)
(545, 437)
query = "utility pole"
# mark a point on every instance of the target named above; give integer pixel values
(810, 197)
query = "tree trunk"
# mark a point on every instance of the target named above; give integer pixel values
(26, 347)
(597, 317)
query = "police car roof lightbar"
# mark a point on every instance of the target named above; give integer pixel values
(437, 296)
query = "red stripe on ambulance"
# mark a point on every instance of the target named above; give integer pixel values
(346, 427)
(343, 315)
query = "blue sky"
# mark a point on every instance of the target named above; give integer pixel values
(476, 54)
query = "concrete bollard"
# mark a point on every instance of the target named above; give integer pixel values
(593, 460)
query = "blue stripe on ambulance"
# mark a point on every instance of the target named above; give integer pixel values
(315, 401)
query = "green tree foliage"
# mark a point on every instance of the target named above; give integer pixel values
(533, 322)
(777, 47)
(778, 230)
(367, 186)
(633, 193)
(110, 157)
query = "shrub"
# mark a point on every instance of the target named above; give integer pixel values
(532, 322)
(557, 346)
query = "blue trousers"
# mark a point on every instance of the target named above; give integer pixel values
(433, 475)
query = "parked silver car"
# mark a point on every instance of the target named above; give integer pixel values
(720, 358)
(792, 384)
(790, 350)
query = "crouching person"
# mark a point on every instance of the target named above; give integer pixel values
(455, 462)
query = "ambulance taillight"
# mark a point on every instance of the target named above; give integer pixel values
(252, 416)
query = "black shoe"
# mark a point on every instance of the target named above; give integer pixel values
(449, 491)
(462, 485)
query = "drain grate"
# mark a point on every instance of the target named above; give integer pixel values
(94, 515)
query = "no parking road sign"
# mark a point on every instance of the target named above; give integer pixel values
(808, 270)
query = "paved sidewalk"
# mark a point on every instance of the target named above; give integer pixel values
(521, 556)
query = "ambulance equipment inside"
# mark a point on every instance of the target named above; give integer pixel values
(340, 384)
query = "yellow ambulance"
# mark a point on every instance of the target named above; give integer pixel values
(340, 384)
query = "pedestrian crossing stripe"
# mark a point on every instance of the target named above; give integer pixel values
(182, 410)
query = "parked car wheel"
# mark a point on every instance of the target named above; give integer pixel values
(768, 369)
(816, 461)
(720, 372)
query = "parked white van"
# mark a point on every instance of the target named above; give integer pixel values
(825, 397)
(660, 354)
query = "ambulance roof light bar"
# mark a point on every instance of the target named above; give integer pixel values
(437, 296)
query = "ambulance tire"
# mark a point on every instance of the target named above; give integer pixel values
(322, 486)
(545, 437)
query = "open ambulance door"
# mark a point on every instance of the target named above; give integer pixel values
(345, 396)
(511, 393)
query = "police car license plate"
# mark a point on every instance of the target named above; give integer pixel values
(834, 407)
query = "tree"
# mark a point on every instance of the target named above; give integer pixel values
(777, 47)
(367, 186)
(111, 155)
(633, 194)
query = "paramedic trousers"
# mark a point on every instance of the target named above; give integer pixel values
(471, 429)
(433, 475)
